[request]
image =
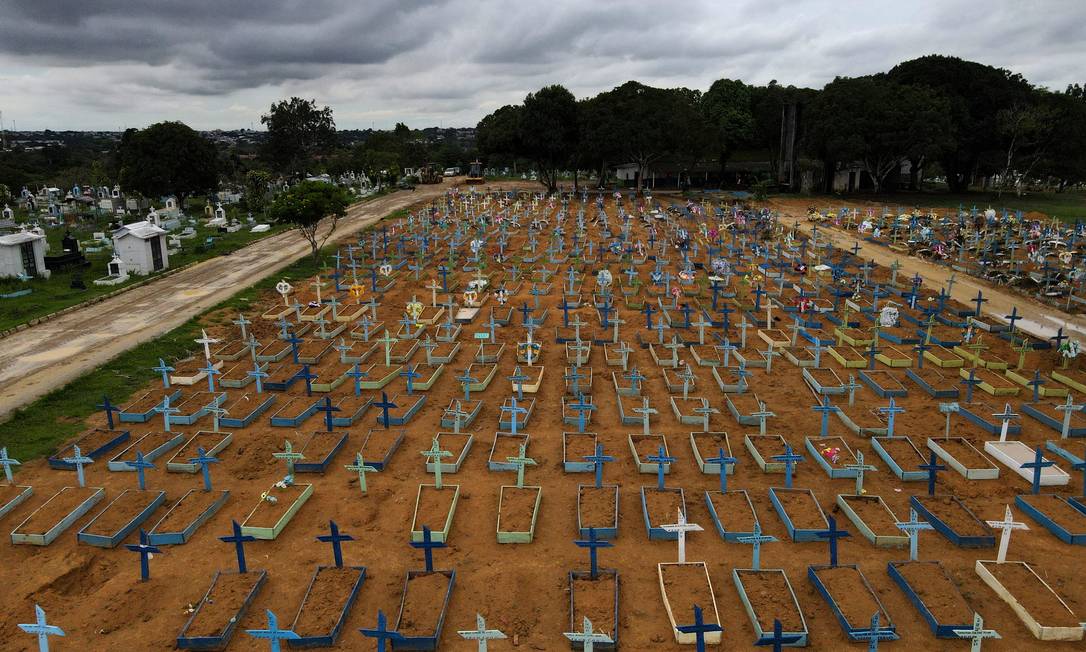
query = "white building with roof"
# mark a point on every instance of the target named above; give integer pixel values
(23, 253)
(142, 247)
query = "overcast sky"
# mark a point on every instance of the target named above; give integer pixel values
(110, 64)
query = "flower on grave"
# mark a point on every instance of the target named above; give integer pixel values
(356, 291)
(831, 453)
(414, 309)
(676, 291)
(385, 269)
(502, 296)
(604, 278)
(1070, 349)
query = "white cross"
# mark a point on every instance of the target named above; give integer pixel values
(681, 527)
(207, 342)
(1007, 524)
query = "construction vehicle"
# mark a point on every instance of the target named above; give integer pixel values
(475, 173)
(429, 173)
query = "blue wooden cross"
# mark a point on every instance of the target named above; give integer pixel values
(273, 634)
(920, 348)
(756, 539)
(699, 629)
(258, 375)
(979, 299)
(140, 465)
(891, 411)
(872, 351)
(7, 463)
(239, 540)
(165, 370)
(790, 459)
(427, 545)
(385, 406)
(145, 550)
(593, 543)
(970, 383)
(1058, 338)
(165, 410)
(42, 629)
(648, 310)
(825, 409)
(660, 458)
(78, 459)
(109, 409)
(779, 639)
(294, 341)
(832, 535)
(874, 634)
(336, 539)
(518, 379)
(381, 633)
(574, 378)
(513, 410)
(211, 372)
(410, 374)
(204, 461)
(466, 380)
(598, 460)
(581, 408)
(723, 460)
(932, 467)
(1013, 317)
(1036, 385)
(328, 409)
(357, 374)
(1038, 464)
(308, 376)
(912, 528)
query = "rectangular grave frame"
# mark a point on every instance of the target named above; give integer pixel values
(220, 641)
(940, 630)
(50, 535)
(271, 533)
(182, 536)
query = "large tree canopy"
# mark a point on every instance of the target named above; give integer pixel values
(298, 132)
(167, 158)
(547, 131)
(728, 107)
(878, 123)
(976, 94)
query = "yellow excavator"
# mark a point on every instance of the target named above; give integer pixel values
(475, 173)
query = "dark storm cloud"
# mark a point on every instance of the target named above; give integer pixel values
(221, 62)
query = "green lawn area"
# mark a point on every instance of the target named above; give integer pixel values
(1068, 206)
(55, 293)
(37, 429)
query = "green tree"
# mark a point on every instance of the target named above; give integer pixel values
(167, 158)
(876, 122)
(256, 190)
(548, 131)
(1065, 159)
(309, 205)
(298, 133)
(496, 135)
(976, 94)
(727, 106)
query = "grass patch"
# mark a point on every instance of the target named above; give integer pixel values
(55, 293)
(38, 429)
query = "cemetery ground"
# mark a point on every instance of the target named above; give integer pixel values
(48, 355)
(95, 595)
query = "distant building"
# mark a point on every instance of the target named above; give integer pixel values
(23, 253)
(142, 247)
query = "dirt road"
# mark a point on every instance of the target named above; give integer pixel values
(1040, 320)
(40, 359)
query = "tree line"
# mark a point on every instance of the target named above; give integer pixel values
(947, 117)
